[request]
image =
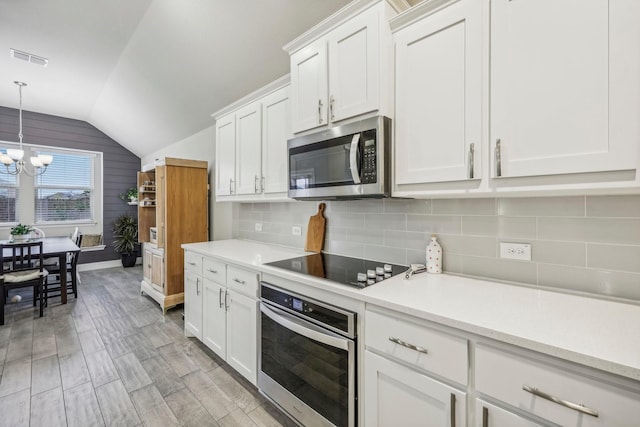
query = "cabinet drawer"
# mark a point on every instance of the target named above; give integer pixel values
(243, 281)
(436, 351)
(503, 375)
(193, 262)
(214, 270)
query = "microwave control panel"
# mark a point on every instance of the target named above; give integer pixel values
(369, 173)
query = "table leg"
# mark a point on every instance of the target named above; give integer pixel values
(63, 278)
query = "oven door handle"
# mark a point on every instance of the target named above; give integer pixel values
(353, 159)
(303, 328)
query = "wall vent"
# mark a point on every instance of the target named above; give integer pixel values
(28, 57)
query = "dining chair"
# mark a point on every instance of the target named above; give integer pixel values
(22, 266)
(52, 286)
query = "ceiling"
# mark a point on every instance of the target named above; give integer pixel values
(147, 73)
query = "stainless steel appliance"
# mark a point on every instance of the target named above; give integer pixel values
(307, 359)
(345, 162)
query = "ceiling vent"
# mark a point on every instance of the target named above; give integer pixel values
(28, 57)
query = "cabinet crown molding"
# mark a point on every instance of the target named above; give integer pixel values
(418, 12)
(328, 24)
(264, 90)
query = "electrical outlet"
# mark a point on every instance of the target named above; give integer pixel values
(296, 230)
(520, 251)
(258, 226)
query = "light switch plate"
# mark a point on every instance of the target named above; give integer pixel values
(296, 230)
(258, 226)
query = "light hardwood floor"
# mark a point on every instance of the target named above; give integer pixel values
(111, 358)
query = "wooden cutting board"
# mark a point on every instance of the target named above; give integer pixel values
(315, 231)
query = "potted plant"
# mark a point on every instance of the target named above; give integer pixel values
(21, 232)
(130, 196)
(125, 231)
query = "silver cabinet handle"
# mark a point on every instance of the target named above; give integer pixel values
(319, 111)
(197, 286)
(485, 416)
(255, 184)
(189, 262)
(407, 345)
(212, 271)
(230, 183)
(332, 101)
(226, 300)
(220, 297)
(242, 282)
(452, 408)
(262, 184)
(471, 160)
(565, 403)
(498, 158)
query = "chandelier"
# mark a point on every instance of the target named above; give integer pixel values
(12, 159)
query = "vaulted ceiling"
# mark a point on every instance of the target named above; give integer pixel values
(147, 72)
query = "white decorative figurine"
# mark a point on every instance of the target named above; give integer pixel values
(434, 256)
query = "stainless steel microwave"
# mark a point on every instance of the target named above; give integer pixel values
(351, 161)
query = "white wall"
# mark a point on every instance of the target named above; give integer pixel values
(201, 146)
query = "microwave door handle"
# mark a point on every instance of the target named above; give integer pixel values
(294, 324)
(353, 159)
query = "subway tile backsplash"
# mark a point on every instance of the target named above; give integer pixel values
(580, 243)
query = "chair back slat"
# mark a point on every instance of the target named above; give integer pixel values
(21, 256)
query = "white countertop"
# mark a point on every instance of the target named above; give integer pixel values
(598, 333)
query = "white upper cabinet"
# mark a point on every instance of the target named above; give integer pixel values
(438, 80)
(251, 146)
(564, 86)
(225, 155)
(338, 75)
(276, 130)
(248, 145)
(309, 86)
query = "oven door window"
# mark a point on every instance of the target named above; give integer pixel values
(316, 373)
(323, 164)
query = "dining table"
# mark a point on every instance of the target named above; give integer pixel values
(56, 247)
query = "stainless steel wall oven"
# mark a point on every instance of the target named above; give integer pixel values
(307, 358)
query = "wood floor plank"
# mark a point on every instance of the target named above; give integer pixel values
(237, 418)
(164, 378)
(156, 336)
(15, 409)
(234, 389)
(117, 408)
(44, 345)
(20, 348)
(101, 368)
(16, 376)
(189, 410)
(131, 371)
(47, 409)
(67, 342)
(73, 370)
(82, 407)
(217, 403)
(200, 357)
(45, 374)
(178, 361)
(142, 346)
(83, 323)
(152, 408)
(90, 341)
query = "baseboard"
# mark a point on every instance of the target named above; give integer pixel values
(104, 264)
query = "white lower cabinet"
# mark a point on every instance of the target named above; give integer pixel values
(396, 395)
(554, 391)
(488, 415)
(224, 300)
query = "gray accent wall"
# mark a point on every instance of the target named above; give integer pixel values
(119, 164)
(584, 244)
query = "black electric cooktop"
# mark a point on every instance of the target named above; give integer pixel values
(345, 270)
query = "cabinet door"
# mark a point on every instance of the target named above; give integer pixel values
(157, 271)
(438, 96)
(214, 327)
(309, 86)
(248, 146)
(354, 66)
(488, 415)
(560, 89)
(193, 304)
(398, 396)
(242, 335)
(147, 266)
(276, 129)
(225, 155)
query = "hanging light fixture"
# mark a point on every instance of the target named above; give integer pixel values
(12, 159)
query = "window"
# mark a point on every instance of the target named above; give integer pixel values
(65, 192)
(9, 190)
(68, 194)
